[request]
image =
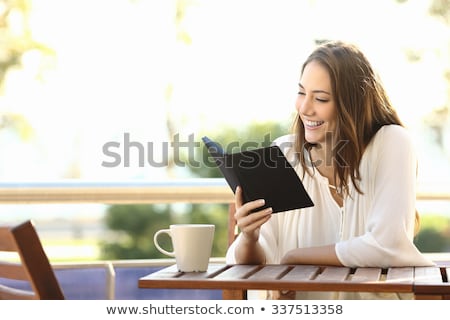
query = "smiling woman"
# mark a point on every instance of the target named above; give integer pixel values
(363, 192)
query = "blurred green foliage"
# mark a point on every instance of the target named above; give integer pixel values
(434, 234)
(133, 227)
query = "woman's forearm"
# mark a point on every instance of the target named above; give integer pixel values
(324, 255)
(249, 252)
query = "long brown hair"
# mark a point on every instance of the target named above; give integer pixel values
(362, 106)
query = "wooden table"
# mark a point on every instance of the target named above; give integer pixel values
(235, 280)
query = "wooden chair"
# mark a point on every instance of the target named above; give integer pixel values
(33, 267)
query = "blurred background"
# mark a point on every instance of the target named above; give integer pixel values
(79, 79)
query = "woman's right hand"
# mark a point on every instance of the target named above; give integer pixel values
(248, 220)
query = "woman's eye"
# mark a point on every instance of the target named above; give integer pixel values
(322, 100)
(301, 93)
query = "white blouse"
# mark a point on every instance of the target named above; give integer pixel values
(373, 229)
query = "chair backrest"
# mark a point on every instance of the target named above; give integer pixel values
(33, 267)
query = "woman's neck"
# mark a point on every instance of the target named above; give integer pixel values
(323, 162)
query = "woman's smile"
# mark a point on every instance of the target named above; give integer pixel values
(312, 125)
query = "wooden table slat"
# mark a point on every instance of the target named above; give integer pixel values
(432, 281)
(237, 272)
(213, 270)
(301, 273)
(365, 275)
(428, 275)
(333, 274)
(269, 272)
(400, 275)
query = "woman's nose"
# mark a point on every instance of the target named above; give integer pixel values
(304, 105)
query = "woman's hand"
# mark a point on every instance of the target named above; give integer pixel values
(250, 222)
(248, 249)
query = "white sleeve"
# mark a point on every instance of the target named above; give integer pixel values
(388, 237)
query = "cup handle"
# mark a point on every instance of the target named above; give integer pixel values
(155, 240)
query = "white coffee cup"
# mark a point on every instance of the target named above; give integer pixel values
(192, 245)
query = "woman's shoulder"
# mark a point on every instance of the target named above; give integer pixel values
(392, 133)
(391, 141)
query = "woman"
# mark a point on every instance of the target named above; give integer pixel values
(357, 163)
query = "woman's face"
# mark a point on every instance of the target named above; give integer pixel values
(315, 103)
